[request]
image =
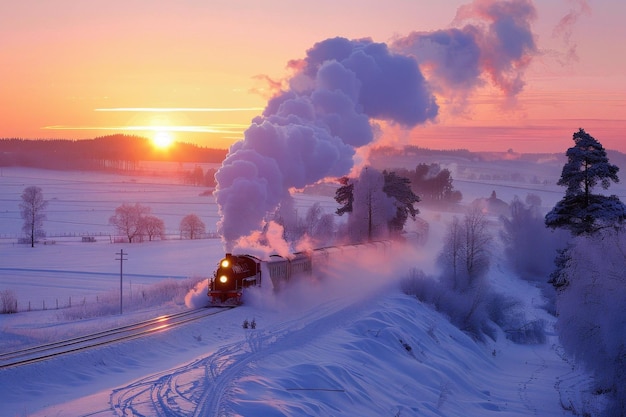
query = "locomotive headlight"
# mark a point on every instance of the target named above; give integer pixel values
(223, 279)
(225, 263)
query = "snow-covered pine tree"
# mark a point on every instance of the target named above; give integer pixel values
(581, 211)
(377, 202)
(399, 188)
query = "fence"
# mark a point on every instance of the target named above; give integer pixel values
(95, 237)
(9, 303)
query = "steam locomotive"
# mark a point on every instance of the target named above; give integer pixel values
(234, 273)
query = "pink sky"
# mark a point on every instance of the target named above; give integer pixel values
(79, 69)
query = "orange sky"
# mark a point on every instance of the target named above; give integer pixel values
(79, 69)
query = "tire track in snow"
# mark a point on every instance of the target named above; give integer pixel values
(203, 387)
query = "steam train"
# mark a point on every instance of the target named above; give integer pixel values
(234, 273)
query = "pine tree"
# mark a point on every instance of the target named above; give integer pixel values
(345, 195)
(399, 188)
(581, 211)
(376, 191)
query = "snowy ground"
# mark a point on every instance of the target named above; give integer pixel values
(351, 344)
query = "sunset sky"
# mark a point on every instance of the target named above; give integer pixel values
(200, 70)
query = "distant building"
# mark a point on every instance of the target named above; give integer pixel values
(493, 205)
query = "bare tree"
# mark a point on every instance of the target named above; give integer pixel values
(153, 227)
(128, 220)
(32, 211)
(477, 239)
(465, 254)
(450, 256)
(191, 227)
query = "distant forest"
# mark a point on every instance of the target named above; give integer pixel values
(113, 152)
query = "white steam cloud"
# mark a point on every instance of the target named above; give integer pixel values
(312, 129)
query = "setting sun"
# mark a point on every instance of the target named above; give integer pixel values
(162, 139)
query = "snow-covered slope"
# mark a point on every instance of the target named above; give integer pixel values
(384, 354)
(348, 344)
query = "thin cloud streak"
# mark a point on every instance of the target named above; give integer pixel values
(226, 128)
(178, 109)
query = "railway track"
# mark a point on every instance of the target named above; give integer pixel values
(105, 337)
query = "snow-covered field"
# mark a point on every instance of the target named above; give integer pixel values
(350, 345)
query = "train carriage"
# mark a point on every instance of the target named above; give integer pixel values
(282, 270)
(236, 272)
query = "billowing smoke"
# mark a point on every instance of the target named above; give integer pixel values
(311, 131)
(565, 29)
(451, 57)
(342, 88)
(496, 41)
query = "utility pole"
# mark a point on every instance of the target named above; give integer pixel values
(121, 259)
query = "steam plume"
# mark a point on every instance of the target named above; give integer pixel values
(311, 130)
(496, 40)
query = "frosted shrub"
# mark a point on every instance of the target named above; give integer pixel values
(591, 314)
(418, 284)
(476, 310)
(530, 247)
(168, 291)
(462, 291)
(466, 309)
(8, 302)
(529, 333)
(509, 315)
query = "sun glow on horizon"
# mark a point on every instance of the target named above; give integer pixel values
(162, 139)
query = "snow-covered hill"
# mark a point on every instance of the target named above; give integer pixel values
(381, 353)
(349, 344)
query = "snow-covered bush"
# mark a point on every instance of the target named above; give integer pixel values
(530, 246)
(464, 309)
(168, 291)
(508, 314)
(462, 290)
(8, 302)
(591, 315)
(475, 312)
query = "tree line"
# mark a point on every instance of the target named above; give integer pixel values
(432, 183)
(133, 221)
(136, 223)
(113, 152)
